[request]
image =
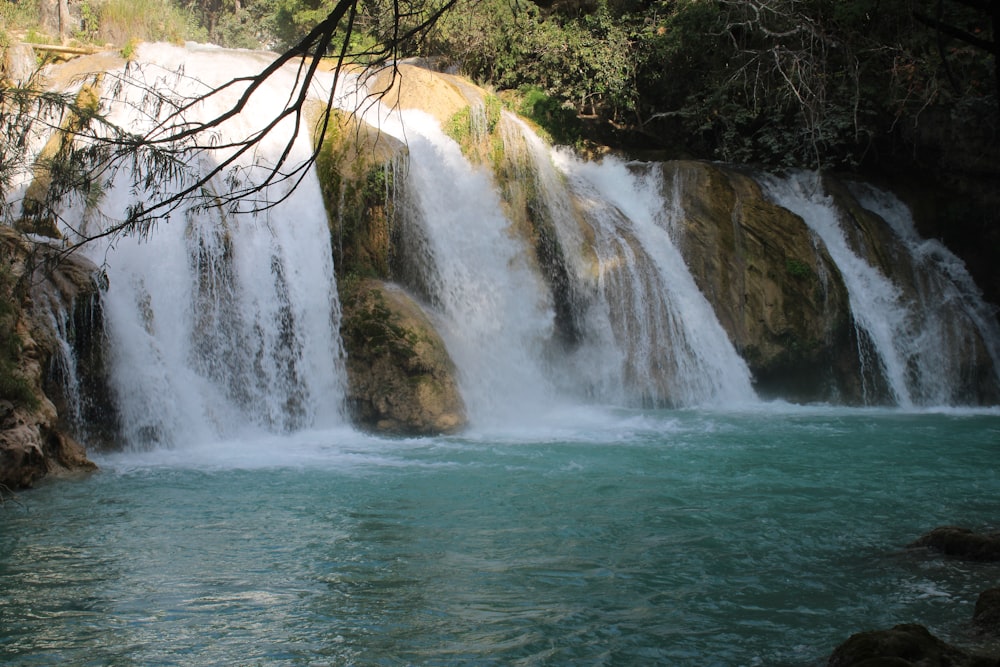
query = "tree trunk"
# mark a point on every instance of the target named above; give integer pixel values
(65, 21)
(54, 18)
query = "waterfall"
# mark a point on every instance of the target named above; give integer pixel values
(221, 324)
(492, 309)
(958, 332)
(880, 314)
(922, 328)
(674, 349)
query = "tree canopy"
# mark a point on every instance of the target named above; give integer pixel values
(811, 83)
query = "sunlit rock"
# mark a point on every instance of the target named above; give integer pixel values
(775, 290)
(400, 377)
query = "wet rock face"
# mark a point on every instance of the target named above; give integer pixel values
(33, 439)
(400, 377)
(777, 293)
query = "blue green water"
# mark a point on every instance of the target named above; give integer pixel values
(607, 538)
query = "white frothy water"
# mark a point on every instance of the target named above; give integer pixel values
(676, 349)
(491, 307)
(877, 305)
(923, 336)
(956, 326)
(223, 324)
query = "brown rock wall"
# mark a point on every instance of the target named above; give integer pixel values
(776, 291)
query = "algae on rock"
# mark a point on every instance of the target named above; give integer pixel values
(34, 441)
(400, 377)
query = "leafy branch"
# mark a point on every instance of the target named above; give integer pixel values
(160, 158)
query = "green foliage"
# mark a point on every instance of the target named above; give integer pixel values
(16, 15)
(13, 386)
(585, 61)
(474, 128)
(798, 269)
(558, 120)
(783, 82)
(122, 21)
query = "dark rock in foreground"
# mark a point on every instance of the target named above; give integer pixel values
(987, 614)
(901, 646)
(961, 543)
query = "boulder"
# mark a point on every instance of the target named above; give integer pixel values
(400, 377)
(902, 646)
(961, 543)
(986, 616)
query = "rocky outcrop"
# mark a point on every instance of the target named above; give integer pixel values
(777, 292)
(901, 646)
(986, 616)
(961, 543)
(410, 86)
(400, 377)
(33, 440)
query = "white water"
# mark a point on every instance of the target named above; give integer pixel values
(953, 316)
(492, 309)
(223, 324)
(876, 303)
(676, 349)
(920, 337)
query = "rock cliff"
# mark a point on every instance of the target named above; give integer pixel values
(34, 441)
(400, 377)
(777, 292)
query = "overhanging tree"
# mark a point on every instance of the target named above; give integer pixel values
(96, 150)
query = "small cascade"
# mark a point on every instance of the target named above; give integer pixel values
(492, 308)
(221, 323)
(679, 352)
(955, 353)
(652, 339)
(917, 332)
(882, 318)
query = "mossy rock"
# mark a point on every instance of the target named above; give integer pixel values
(34, 441)
(400, 377)
(357, 166)
(778, 294)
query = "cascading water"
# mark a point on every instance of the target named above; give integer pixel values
(675, 349)
(221, 323)
(877, 306)
(956, 349)
(648, 336)
(921, 335)
(492, 308)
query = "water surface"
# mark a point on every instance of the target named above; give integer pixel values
(603, 538)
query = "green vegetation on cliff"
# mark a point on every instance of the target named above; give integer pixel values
(13, 386)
